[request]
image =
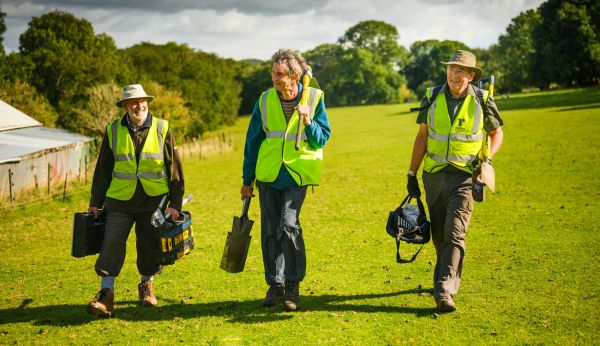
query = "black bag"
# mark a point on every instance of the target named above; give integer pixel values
(88, 234)
(174, 239)
(404, 226)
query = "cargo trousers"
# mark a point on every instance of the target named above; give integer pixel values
(116, 231)
(284, 255)
(450, 203)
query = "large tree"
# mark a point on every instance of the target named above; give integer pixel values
(515, 53)
(2, 31)
(353, 76)
(567, 43)
(207, 83)
(379, 38)
(67, 58)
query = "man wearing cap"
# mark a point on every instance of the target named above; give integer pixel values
(137, 165)
(452, 121)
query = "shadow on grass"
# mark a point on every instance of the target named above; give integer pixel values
(561, 98)
(249, 311)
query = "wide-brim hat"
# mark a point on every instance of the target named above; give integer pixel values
(466, 59)
(133, 91)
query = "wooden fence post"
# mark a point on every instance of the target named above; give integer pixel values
(65, 188)
(49, 178)
(10, 186)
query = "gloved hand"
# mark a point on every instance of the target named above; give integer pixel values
(413, 186)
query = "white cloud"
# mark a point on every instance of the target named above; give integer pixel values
(255, 29)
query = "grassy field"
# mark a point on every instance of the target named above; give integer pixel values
(531, 274)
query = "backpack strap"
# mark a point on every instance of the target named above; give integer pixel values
(483, 98)
(434, 92)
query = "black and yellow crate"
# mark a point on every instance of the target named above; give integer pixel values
(175, 239)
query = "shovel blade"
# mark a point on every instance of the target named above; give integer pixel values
(237, 245)
(488, 176)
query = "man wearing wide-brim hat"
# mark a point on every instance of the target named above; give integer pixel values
(454, 119)
(137, 165)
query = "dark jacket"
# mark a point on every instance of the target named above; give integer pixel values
(140, 202)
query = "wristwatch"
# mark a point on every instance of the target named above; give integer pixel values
(410, 173)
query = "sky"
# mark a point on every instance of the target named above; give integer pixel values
(255, 29)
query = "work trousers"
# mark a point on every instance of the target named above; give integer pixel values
(116, 231)
(284, 255)
(450, 203)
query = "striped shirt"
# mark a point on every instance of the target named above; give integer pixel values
(288, 108)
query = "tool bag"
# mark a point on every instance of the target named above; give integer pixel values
(175, 239)
(88, 234)
(408, 223)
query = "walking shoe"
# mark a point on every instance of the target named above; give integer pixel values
(291, 301)
(274, 296)
(445, 304)
(102, 305)
(146, 294)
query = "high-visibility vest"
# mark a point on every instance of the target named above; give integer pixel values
(304, 165)
(456, 143)
(151, 169)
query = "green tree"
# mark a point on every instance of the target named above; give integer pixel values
(208, 84)
(425, 67)
(567, 43)
(98, 109)
(515, 53)
(67, 59)
(378, 37)
(28, 100)
(170, 105)
(352, 76)
(256, 79)
(2, 31)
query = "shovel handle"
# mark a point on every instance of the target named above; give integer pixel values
(162, 202)
(303, 101)
(246, 206)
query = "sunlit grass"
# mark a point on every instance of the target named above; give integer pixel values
(532, 260)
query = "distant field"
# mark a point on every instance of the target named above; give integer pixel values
(531, 274)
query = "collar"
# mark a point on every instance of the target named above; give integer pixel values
(146, 124)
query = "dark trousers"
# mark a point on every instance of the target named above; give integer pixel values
(117, 228)
(450, 203)
(284, 255)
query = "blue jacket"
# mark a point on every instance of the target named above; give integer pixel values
(317, 135)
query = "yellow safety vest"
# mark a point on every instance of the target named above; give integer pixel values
(278, 148)
(454, 143)
(151, 170)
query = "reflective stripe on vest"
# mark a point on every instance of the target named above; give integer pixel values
(151, 169)
(304, 165)
(454, 143)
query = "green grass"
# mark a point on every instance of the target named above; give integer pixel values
(531, 270)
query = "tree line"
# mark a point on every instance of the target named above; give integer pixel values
(65, 75)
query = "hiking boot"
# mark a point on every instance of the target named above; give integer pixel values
(146, 294)
(274, 296)
(445, 304)
(291, 301)
(102, 305)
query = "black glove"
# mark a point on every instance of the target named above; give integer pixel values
(413, 186)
